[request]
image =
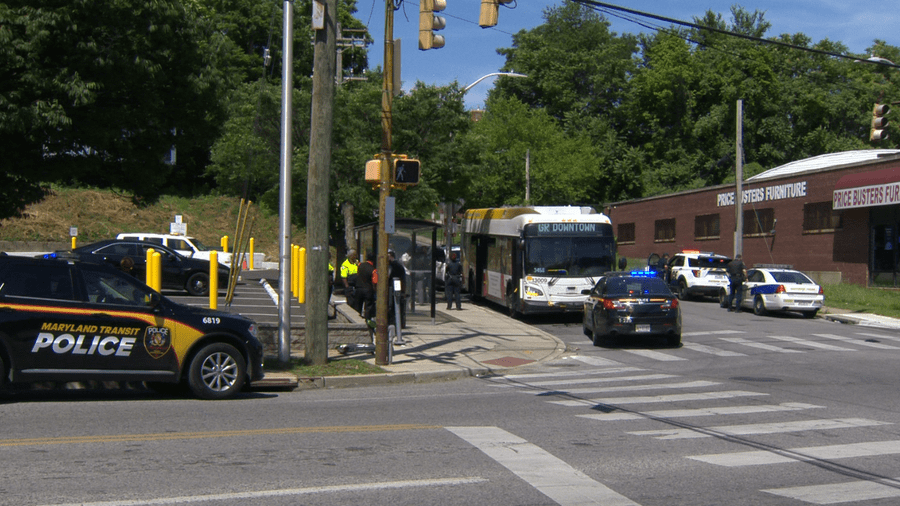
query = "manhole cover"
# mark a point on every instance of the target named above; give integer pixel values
(508, 361)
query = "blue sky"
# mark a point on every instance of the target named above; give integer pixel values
(471, 51)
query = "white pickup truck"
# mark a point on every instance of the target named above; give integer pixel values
(186, 245)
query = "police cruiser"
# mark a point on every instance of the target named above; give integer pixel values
(65, 320)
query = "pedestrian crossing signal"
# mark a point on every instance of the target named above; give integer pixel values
(406, 172)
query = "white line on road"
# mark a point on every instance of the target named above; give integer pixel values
(628, 388)
(562, 374)
(655, 355)
(362, 487)
(759, 428)
(814, 344)
(857, 341)
(854, 491)
(596, 361)
(550, 475)
(702, 348)
(685, 413)
(644, 377)
(762, 346)
(879, 336)
(711, 332)
(701, 396)
(830, 452)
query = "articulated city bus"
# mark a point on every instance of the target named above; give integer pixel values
(536, 259)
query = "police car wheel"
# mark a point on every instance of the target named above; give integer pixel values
(217, 372)
(759, 307)
(198, 284)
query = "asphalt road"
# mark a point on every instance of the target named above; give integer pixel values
(751, 410)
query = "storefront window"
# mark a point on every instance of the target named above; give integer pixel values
(664, 230)
(818, 217)
(706, 227)
(625, 233)
(759, 222)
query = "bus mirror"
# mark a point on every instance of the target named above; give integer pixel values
(521, 243)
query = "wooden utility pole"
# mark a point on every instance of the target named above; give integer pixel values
(384, 189)
(317, 254)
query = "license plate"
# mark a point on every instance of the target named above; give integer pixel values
(642, 328)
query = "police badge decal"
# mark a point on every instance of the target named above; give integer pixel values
(157, 341)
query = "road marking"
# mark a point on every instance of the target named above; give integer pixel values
(551, 476)
(763, 346)
(857, 342)
(854, 491)
(814, 344)
(702, 348)
(759, 428)
(628, 388)
(361, 487)
(562, 374)
(655, 355)
(830, 452)
(701, 396)
(711, 332)
(645, 377)
(170, 436)
(684, 413)
(879, 336)
(596, 361)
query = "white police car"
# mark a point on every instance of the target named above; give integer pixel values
(778, 288)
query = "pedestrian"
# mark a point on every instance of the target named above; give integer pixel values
(366, 281)
(348, 276)
(453, 282)
(662, 267)
(737, 273)
(623, 263)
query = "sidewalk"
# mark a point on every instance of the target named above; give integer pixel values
(456, 344)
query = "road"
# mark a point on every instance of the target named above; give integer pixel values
(751, 410)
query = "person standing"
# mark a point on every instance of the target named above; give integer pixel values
(737, 273)
(366, 280)
(348, 277)
(662, 267)
(453, 282)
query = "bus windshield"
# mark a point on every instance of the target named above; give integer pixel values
(569, 256)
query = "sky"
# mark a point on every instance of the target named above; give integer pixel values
(470, 51)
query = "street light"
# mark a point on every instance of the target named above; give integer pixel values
(482, 78)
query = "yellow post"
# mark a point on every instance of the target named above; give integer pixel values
(74, 242)
(157, 271)
(148, 263)
(301, 276)
(213, 280)
(294, 255)
(250, 260)
(224, 243)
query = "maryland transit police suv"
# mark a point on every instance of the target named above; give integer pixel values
(64, 320)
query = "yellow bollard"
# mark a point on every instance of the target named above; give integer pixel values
(301, 276)
(213, 280)
(74, 242)
(295, 255)
(250, 260)
(157, 271)
(224, 243)
(148, 267)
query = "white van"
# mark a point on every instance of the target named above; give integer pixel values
(186, 245)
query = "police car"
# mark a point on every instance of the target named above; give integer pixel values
(778, 288)
(696, 273)
(65, 320)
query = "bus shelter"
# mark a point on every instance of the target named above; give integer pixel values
(414, 243)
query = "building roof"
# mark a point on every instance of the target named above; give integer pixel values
(827, 161)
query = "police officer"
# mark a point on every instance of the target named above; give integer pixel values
(453, 282)
(349, 271)
(737, 273)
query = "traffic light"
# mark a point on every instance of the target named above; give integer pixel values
(489, 12)
(879, 123)
(406, 172)
(428, 23)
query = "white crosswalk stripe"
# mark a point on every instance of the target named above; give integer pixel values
(809, 453)
(879, 336)
(650, 399)
(631, 388)
(655, 355)
(860, 342)
(813, 344)
(854, 491)
(759, 428)
(762, 346)
(712, 332)
(702, 348)
(714, 411)
(643, 377)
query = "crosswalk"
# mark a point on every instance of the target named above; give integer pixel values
(609, 392)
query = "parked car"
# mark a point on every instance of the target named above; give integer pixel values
(631, 304)
(770, 289)
(190, 247)
(70, 320)
(178, 272)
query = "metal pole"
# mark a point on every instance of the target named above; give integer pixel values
(738, 182)
(284, 218)
(387, 93)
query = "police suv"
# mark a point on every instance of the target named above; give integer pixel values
(697, 273)
(65, 320)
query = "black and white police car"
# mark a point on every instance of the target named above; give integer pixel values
(65, 320)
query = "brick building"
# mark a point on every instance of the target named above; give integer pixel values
(835, 217)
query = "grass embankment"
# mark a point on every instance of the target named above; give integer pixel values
(859, 299)
(101, 214)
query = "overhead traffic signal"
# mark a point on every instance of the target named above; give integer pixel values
(406, 171)
(490, 12)
(878, 131)
(428, 23)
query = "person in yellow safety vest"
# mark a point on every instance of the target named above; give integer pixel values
(348, 274)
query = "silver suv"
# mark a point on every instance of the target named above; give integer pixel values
(697, 273)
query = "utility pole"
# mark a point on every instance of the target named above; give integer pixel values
(284, 218)
(317, 207)
(384, 190)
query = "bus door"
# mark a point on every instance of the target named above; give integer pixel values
(481, 263)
